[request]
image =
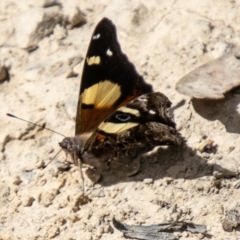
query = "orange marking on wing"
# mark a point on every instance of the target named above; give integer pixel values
(100, 136)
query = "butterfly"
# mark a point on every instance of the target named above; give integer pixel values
(118, 114)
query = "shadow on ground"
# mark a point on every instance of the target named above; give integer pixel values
(174, 162)
(224, 110)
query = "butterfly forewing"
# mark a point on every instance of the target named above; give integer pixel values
(109, 79)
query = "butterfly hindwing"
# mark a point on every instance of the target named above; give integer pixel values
(137, 127)
(109, 79)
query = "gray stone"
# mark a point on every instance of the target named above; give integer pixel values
(33, 25)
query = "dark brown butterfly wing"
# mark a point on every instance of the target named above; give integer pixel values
(135, 128)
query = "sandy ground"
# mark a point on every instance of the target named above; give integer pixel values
(165, 40)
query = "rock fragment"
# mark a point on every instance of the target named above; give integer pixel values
(45, 3)
(3, 74)
(74, 16)
(231, 219)
(34, 24)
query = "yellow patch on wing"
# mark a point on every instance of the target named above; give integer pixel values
(93, 60)
(101, 95)
(129, 110)
(115, 128)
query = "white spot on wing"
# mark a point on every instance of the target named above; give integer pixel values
(97, 36)
(152, 112)
(109, 52)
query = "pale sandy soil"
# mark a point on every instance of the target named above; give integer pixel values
(165, 40)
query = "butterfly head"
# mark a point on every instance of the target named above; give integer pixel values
(74, 145)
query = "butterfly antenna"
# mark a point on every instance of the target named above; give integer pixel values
(52, 158)
(43, 127)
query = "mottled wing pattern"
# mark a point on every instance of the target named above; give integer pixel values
(109, 79)
(135, 128)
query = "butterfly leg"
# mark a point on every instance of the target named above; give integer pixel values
(78, 163)
(84, 199)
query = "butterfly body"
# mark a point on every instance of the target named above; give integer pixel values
(118, 113)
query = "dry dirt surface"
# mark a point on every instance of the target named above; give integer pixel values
(42, 47)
